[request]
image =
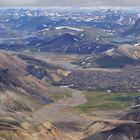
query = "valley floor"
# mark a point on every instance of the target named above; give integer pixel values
(63, 118)
(72, 122)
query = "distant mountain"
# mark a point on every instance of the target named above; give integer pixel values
(67, 39)
(30, 23)
(135, 30)
(63, 39)
(121, 56)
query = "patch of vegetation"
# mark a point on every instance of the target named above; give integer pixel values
(59, 96)
(107, 101)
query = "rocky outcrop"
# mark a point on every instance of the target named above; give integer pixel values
(104, 130)
(43, 70)
(13, 130)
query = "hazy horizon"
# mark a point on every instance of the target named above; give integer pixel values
(69, 3)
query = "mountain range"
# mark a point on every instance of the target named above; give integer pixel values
(67, 32)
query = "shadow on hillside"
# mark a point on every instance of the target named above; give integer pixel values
(74, 126)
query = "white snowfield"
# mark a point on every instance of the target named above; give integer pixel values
(67, 27)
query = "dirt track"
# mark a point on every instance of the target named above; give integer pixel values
(56, 112)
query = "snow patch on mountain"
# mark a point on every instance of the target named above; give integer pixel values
(67, 27)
